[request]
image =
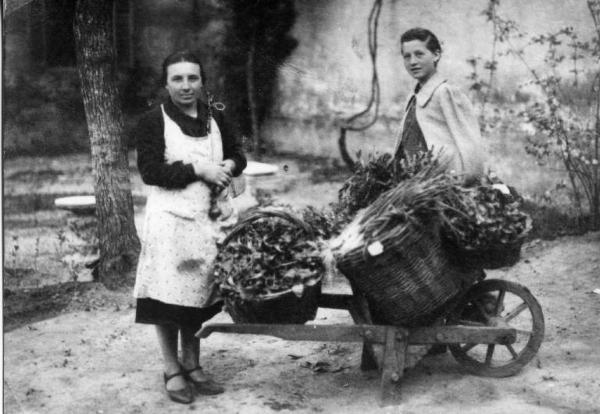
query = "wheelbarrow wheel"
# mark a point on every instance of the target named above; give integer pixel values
(499, 303)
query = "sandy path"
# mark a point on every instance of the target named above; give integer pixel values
(100, 362)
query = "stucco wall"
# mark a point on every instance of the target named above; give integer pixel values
(328, 75)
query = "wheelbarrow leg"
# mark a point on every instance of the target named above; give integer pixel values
(368, 362)
(392, 366)
(361, 315)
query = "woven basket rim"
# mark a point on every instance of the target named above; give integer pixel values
(318, 279)
(291, 218)
(283, 309)
(409, 229)
(518, 243)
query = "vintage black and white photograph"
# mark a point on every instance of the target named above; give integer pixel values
(301, 206)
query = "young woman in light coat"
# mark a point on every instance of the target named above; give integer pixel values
(437, 115)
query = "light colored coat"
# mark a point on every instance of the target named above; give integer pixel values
(448, 122)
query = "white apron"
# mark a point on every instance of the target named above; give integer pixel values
(179, 239)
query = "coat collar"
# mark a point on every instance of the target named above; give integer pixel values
(427, 90)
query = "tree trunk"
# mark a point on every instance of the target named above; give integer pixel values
(119, 243)
(252, 101)
(595, 207)
(594, 7)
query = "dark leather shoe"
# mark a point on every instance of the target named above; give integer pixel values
(208, 387)
(182, 396)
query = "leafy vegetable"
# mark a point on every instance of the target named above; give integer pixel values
(325, 222)
(476, 218)
(268, 256)
(484, 218)
(376, 176)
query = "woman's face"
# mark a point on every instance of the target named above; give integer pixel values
(184, 83)
(418, 60)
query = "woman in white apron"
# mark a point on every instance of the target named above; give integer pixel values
(186, 154)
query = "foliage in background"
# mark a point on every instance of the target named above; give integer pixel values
(484, 88)
(257, 44)
(549, 221)
(567, 116)
(43, 114)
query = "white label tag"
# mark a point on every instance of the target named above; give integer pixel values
(502, 187)
(375, 248)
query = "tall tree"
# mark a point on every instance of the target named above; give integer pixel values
(119, 243)
(258, 43)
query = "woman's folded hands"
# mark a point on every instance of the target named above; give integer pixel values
(216, 174)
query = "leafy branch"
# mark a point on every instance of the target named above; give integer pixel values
(565, 132)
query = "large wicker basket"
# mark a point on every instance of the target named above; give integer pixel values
(490, 258)
(280, 307)
(411, 281)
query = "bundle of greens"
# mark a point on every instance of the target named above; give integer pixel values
(268, 256)
(376, 175)
(419, 199)
(325, 222)
(484, 218)
(474, 219)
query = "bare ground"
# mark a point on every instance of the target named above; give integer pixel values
(73, 347)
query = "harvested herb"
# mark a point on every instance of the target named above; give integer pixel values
(326, 222)
(418, 199)
(376, 175)
(485, 218)
(269, 255)
(474, 219)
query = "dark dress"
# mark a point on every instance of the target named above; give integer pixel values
(413, 141)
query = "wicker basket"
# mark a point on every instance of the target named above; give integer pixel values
(280, 307)
(411, 280)
(285, 307)
(490, 258)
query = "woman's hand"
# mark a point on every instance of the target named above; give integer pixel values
(216, 174)
(229, 164)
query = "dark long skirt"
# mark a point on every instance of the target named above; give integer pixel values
(155, 312)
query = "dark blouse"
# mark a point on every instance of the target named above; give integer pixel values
(150, 144)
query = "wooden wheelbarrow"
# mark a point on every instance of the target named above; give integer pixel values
(494, 331)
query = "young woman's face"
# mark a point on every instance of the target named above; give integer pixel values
(184, 83)
(418, 60)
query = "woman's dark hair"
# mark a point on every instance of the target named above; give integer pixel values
(181, 56)
(417, 33)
